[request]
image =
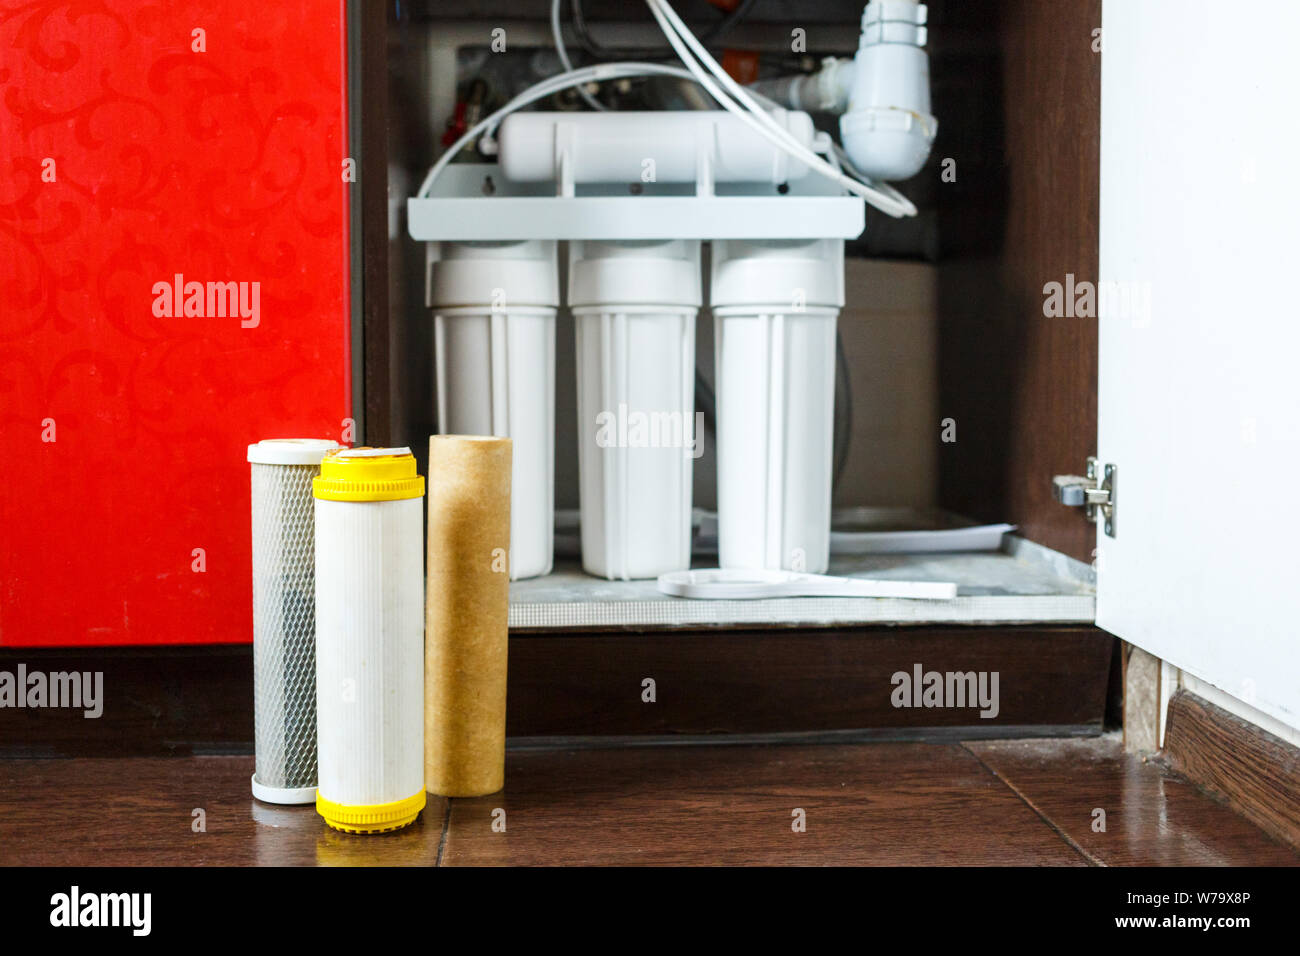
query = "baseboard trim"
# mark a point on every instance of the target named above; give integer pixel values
(1254, 772)
(867, 735)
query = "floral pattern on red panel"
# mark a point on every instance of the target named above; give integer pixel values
(173, 287)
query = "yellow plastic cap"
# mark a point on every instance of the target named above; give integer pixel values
(368, 474)
(376, 818)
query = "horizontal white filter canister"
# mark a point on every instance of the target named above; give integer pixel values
(634, 306)
(284, 617)
(370, 639)
(775, 306)
(494, 306)
(668, 146)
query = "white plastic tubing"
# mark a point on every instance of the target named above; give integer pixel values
(743, 104)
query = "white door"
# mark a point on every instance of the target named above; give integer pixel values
(1199, 374)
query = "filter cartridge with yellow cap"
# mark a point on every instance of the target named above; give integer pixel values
(369, 639)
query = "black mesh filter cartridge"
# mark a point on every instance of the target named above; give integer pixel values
(284, 617)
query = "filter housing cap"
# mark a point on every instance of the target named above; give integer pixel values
(368, 474)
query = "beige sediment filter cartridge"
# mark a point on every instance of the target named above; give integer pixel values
(467, 604)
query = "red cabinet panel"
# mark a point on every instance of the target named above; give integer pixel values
(141, 141)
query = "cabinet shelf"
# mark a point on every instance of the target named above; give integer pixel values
(1022, 584)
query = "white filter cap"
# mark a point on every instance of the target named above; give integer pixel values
(290, 451)
(492, 275)
(778, 275)
(660, 273)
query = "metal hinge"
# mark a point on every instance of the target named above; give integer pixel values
(1094, 492)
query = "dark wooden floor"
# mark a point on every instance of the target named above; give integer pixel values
(991, 803)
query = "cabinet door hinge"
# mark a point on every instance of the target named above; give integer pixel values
(1094, 492)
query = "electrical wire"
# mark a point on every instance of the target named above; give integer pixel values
(706, 401)
(843, 420)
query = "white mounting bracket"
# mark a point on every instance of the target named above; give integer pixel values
(474, 202)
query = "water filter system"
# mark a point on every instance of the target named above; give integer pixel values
(633, 196)
(369, 695)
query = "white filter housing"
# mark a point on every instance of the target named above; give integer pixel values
(634, 307)
(888, 129)
(667, 146)
(370, 656)
(494, 306)
(775, 306)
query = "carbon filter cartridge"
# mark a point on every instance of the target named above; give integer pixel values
(284, 617)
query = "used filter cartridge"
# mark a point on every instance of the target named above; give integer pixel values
(284, 617)
(469, 598)
(369, 639)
